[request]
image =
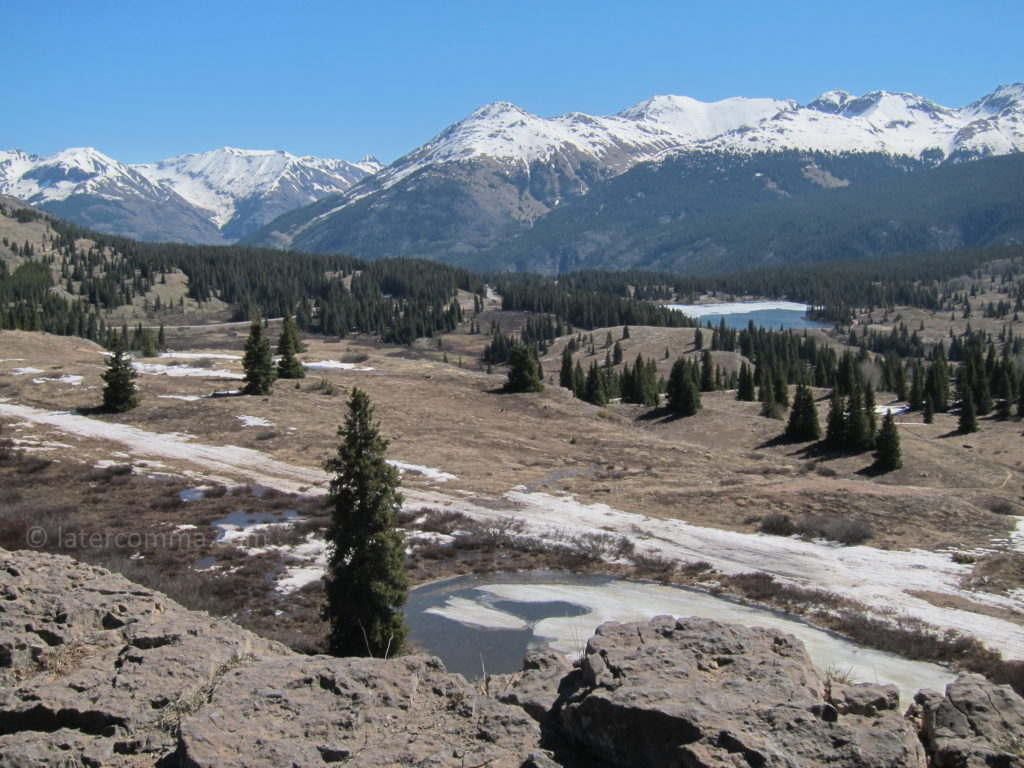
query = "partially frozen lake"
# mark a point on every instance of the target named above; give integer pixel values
(489, 622)
(738, 314)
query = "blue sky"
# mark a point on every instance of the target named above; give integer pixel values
(146, 80)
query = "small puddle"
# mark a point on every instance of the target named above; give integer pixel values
(192, 494)
(240, 521)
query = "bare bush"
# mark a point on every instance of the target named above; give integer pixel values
(845, 530)
(778, 524)
(653, 566)
(354, 357)
(1002, 507)
(109, 472)
(444, 521)
(603, 546)
(267, 434)
(30, 465)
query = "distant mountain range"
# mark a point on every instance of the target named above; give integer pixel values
(485, 190)
(211, 197)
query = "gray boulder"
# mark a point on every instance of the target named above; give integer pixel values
(695, 692)
(372, 712)
(975, 724)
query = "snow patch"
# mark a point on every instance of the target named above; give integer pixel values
(336, 365)
(71, 379)
(159, 369)
(437, 475)
(25, 371)
(254, 421)
(198, 356)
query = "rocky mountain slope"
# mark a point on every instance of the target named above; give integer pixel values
(98, 671)
(212, 197)
(491, 177)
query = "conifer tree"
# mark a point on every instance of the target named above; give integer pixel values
(928, 413)
(625, 331)
(803, 419)
(770, 407)
(257, 362)
(707, 372)
(366, 584)
(565, 373)
(835, 423)
(968, 421)
(682, 390)
(119, 391)
(161, 339)
(745, 389)
(523, 372)
(579, 382)
(289, 367)
(888, 456)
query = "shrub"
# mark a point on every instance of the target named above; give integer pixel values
(845, 530)
(778, 524)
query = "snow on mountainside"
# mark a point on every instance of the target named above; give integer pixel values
(226, 182)
(894, 123)
(506, 133)
(210, 197)
(76, 171)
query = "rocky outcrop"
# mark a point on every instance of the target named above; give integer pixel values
(696, 693)
(975, 724)
(373, 712)
(95, 670)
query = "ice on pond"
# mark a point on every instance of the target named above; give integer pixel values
(489, 604)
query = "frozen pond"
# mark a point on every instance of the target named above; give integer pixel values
(765, 314)
(489, 622)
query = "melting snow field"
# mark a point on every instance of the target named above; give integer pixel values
(434, 474)
(335, 365)
(67, 378)
(882, 579)
(736, 307)
(617, 600)
(184, 370)
(199, 356)
(254, 421)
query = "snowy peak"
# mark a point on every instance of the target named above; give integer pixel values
(224, 180)
(894, 123)
(74, 171)
(688, 118)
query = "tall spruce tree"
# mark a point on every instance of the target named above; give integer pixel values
(565, 373)
(745, 390)
(682, 391)
(289, 367)
(119, 391)
(366, 584)
(803, 419)
(835, 422)
(968, 421)
(524, 372)
(257, 362)
(888, 456)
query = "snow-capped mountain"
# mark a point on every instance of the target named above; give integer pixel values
(489, 177)
(212, 197)
(894, 123)
(244, 189)
(87, 187)
(512, 136)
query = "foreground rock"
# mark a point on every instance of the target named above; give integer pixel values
(696, 692)
(974, 724)
(95, 670)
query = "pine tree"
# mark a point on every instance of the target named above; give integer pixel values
(366, 584)
(289, 367)
(745, 389)
(707, 372)
(595, 391)
(888, 456)
(682, 390)
(523, 373)
(625, 331)
(968, 415)
(928, 414)
(119, 391)
(803, 419)
(835, 423)
(257, 362)
(565, 373)
(161, 339)
(770, 407)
